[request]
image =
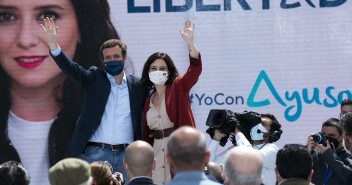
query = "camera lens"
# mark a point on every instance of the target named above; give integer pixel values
(317, 138)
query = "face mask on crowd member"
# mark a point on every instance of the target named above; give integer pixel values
(333, 135)
(257, 132)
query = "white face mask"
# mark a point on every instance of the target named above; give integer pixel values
(158, 77)
(257, 132)
(344, 146)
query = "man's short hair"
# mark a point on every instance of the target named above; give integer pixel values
(294, 161)
(13, 173)
(112, 43)
(243, 165)
(70, 171)
(275, 127)
(346, 123)
(187, 154)
(333, 122)
(346, 102)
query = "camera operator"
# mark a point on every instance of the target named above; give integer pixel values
(331, 163)
(262, 136)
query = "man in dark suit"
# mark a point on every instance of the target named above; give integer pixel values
(139, 163)
(294, 165)
(113, 102)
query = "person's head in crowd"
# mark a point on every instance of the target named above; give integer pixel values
(268, 131)
(346, 106)
(243, 166)
(13, 173)
(158, 62)
(71, 171)
(332, 129)
(139, 159)
(187, 150)
(294, 161)
(216, 170)
(346, 125)
(102, 173)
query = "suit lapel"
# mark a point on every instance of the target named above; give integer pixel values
(130, 84)
(106, 88)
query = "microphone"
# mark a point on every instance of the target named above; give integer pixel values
(259, 131)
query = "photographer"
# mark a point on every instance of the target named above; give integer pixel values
(331, 163)
(259, 135)
(102, 173)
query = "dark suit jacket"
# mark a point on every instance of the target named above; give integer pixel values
(97, 88)
(141, 181)
(296, 181)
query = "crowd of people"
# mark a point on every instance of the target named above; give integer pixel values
(141, 130)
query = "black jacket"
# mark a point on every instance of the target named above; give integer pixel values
(341, 167)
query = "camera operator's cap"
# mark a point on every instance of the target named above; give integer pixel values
(70, 171)
(216, 114)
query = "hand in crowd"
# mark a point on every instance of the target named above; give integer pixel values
(311, 145)
(323, 148)
(119, 180)
(218, 135)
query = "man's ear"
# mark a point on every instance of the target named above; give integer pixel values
(207, 157)
(349, 144)
(310, 176)
(124, 59)
(154, 165)
(171, 163)
(278, 176)
(125, 166)
(224, 176)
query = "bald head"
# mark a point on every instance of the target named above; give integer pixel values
(187, 149)
(139, 157)
(238, 158)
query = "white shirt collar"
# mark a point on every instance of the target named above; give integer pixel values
(111, 78)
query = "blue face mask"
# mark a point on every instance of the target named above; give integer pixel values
(114, 67)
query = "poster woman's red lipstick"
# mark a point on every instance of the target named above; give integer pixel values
(30, 62)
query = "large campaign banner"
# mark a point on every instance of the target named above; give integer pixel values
(291, 58)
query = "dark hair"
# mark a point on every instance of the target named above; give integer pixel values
(173, 73)
(333, 122)
(13, 173)
(346, 102)
(346, 123)
(275, 128)
(294, 161)
(95, 26)
(112, 43)
(101, 172)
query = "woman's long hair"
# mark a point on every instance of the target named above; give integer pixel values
(173, 73)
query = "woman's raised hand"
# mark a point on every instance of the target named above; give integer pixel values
(51, 33)
(187, 34)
